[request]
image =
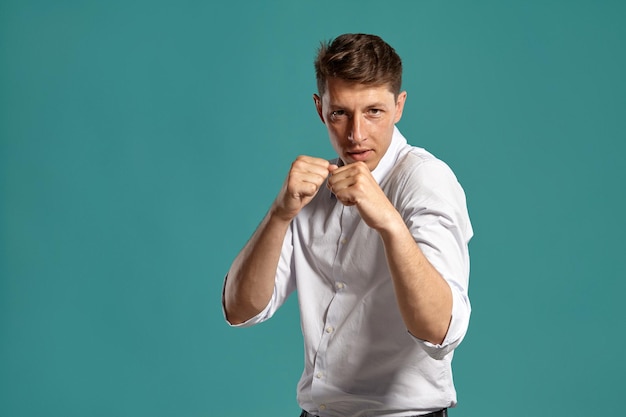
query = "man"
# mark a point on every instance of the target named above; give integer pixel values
(375, 242)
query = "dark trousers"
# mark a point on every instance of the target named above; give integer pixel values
(440, 413)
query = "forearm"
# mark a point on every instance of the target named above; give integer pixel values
(250, 282)
(424, 297)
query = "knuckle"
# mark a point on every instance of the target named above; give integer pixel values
(297, 164)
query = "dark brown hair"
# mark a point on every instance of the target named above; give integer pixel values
(360, 58)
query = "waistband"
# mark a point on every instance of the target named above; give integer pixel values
(440, 413)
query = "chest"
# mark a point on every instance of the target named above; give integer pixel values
(339, 247)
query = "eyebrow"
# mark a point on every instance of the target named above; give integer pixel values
(377, 105)
(335, 106)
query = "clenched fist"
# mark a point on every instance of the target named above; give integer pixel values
(354, 185)
(305, 178)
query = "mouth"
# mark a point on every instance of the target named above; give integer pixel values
(360, 155)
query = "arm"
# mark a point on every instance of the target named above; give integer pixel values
(423, 296)
(250, 281)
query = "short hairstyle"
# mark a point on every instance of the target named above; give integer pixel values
(360, 58)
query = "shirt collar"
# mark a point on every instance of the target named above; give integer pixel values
(390, 157)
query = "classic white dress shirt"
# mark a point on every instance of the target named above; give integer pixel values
(360, 360)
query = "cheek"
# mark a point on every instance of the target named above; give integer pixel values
(335, 144)
(336, 133)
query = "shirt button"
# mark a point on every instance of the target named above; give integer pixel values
(319, 375)
(344, 241)
(339, 285)
(322, 407)
(330, 329)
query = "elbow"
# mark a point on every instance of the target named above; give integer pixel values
(234, 317)
(434, 333)
(234, 313)
(238, 310)
(230, 305)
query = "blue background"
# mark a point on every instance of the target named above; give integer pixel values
(142, 141)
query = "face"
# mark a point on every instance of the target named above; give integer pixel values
(360, 119)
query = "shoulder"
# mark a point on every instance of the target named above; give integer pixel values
(418, 177)
(419, 167)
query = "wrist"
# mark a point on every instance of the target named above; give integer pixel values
(280, 215)
(392, 226)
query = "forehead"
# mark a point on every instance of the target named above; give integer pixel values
(340, 91)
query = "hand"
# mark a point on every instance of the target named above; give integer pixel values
(305, 177)
(354, 185)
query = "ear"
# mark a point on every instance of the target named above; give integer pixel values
(400, 106)
(318, 106)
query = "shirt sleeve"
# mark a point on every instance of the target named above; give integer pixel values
(434, 207)
(284, 285)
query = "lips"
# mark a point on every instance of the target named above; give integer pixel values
(360, 155)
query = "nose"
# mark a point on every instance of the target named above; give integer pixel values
(356, 134)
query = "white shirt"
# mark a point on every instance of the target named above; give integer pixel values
(360, 360)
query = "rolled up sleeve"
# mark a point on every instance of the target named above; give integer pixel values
(436, 214)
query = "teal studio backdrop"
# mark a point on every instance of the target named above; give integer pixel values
(142, 141)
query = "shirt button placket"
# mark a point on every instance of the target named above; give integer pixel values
(320, 373)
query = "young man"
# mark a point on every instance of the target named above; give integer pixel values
(375, 242)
